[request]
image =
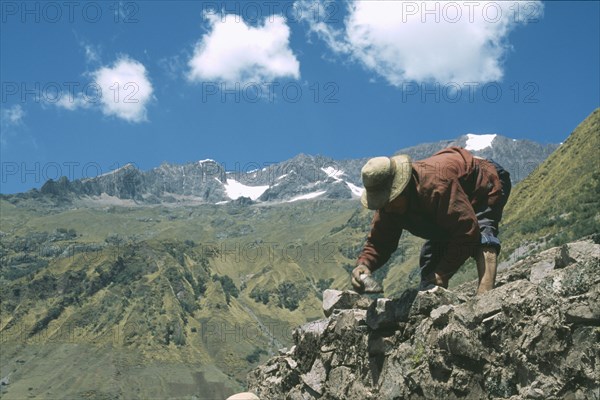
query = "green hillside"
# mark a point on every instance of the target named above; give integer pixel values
(168, 301)
(560, 200)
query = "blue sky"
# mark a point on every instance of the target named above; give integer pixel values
(90, 86)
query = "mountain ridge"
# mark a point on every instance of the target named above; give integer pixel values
(301, 177)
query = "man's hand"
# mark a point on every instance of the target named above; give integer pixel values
(356, 281)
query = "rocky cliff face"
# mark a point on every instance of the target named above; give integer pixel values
(535, 336)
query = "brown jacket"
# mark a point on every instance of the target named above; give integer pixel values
(445, 191)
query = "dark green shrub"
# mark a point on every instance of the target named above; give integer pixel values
(255, 355)
(289, 295)
(260, 295)
(228, 286)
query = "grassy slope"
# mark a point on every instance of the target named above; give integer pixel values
(133, 313)
(561, 198)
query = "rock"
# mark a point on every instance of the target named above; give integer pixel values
(346, 320)
(540, 270)
(343, 300)
(535, 393)
(459, 341)
(584, 309)
(583, 314)
(382, 314)
(562, 259)
(426, 301)
(515, 294)
(243, 396)
(363, 303)
(313, 329)
(302, 393)
(584, 250)
(315, 378)
(285, 351)
(267, 382)
(387, 313)
(441, 315)
(291, 362)
(379, 345)
(370, 284)
(339, 381)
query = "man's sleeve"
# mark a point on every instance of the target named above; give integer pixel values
(382, 240)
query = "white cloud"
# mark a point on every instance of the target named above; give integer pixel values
(72, 101)
(122, 89)
(12, 116)
(11, 119)
(91, 53)
(126, 89)
(233, 51)
(425, 41)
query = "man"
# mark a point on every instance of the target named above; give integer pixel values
(453, 199)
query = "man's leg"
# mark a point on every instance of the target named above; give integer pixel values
(488, 218)
(439, 262)
(486, 259)
(429, 259)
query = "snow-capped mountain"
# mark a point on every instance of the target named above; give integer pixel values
(519, 157)
(303, 177)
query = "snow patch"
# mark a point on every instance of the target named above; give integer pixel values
(333, 173)
(357, 191)
(206, 161)
(479, 142)
(218, 203)
(235, 190)
(281, 177)
(307, 196)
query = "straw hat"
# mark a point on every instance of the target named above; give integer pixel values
(384, 179)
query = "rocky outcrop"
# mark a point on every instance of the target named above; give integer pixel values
(535, 336)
